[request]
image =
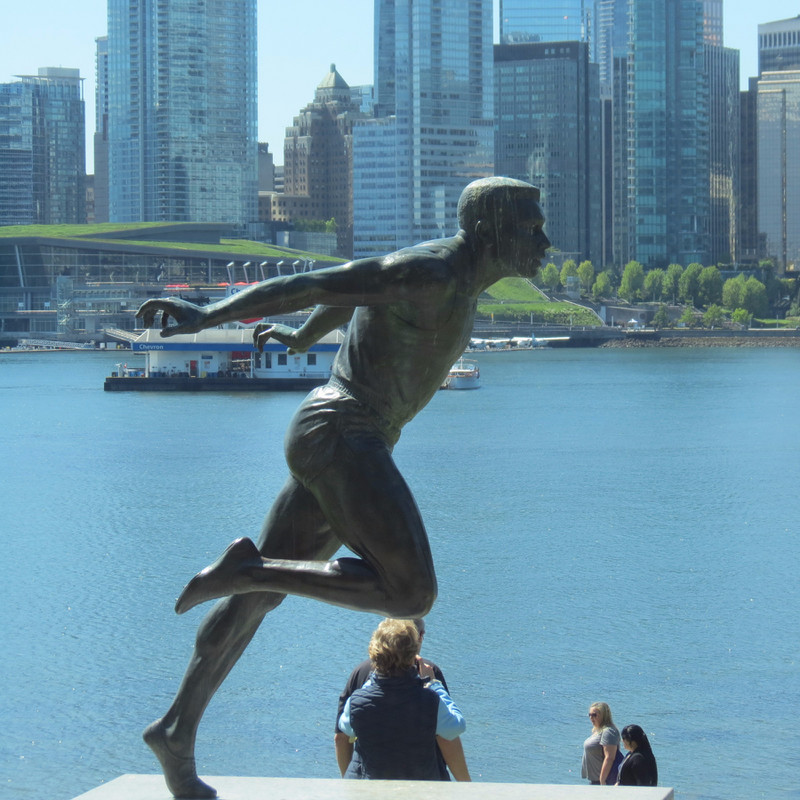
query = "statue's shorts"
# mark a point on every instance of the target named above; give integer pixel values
(332, 424)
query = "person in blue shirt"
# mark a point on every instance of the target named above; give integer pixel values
(395, 717)
(451, 750)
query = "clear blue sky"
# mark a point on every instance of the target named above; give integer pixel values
(297, 42)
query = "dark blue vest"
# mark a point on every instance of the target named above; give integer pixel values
(394, 720)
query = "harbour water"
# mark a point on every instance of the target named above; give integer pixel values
(617, 525)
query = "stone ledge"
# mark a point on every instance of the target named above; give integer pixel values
(152, 787)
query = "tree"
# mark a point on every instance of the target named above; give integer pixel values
(632, 281)
(689, 283)
(654, 284)
(754, 297)
(550, 276)
(732, 292)
(742, 317)
(714, 316)
(661, 317)
(671, 281)
(569, 269)
(687, 318)
(316, 225)
(602, 286)
(710, 283)
(586, 275)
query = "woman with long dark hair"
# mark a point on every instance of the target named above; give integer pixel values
(639, 767)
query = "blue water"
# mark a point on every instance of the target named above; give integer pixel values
(617, 525)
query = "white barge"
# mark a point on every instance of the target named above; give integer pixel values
(222, 360)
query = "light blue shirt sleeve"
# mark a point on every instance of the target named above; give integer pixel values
(450, 723)
(344, 720)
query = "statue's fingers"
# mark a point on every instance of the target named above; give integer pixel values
(257, 331)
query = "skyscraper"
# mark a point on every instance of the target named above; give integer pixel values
(776, 94)
(779, 45)
(43, 149)
(547, 132)
(722, 66)
(668, 134)
(318, 155)
(434, 120)
(182, 110)
(547, 21)
(611, 38)
(778, 105)
(100, 139)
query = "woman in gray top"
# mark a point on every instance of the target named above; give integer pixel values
(601, 748)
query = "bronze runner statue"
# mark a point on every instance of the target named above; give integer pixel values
(410, 317)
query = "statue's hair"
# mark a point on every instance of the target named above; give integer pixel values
(394, 646)
(490, 200)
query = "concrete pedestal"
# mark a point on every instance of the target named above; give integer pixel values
(152, 787)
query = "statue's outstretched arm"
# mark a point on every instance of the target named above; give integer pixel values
(401, 276)
(322, 320)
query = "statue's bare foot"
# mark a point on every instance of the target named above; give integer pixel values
(218, 579)
(180, 772)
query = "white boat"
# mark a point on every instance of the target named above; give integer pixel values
(464, 374)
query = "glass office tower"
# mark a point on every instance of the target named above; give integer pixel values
(779, 45)
(547, 132)
(182, 110)
(433, 100)
(668, 134)
(546, 21)
(778, 123)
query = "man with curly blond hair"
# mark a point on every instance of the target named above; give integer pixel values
(396, 716)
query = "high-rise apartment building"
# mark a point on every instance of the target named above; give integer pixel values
(611, 38)
(547, 118)
(547, 21)
(100, 139)
(182, 110)
(668, 134)
(778, 110)
(43, 149)
(434, 120)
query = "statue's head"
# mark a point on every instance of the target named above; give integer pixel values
(504, 215)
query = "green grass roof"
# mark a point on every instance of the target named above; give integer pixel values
(94, 233)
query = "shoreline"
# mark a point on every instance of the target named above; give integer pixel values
(770, 340)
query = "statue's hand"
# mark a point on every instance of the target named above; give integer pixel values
(263, 332)
(189, 318)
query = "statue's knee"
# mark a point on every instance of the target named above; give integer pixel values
(412, 601)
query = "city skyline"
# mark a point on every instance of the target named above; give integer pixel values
(67, 39)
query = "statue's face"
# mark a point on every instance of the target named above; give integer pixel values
(523, 244)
